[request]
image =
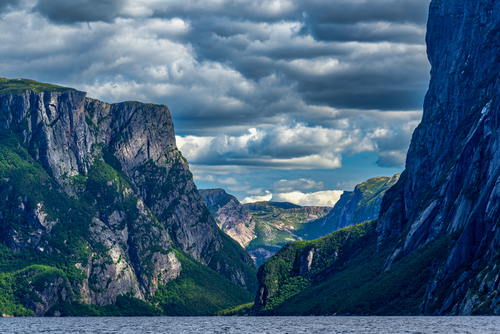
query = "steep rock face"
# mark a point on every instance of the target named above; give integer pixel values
(299, 266)
(230, 215)
(353, 207)
(451, 182)
(106, 186)
(435, 246)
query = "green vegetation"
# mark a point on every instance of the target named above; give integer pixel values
(19, 86)
(49, 228)
(284, 275)
(277, 224)
(18, 286)
(25, 184)
(231, 255)
(198, 291)
(125, 306)
(353, 282)
(240, 310)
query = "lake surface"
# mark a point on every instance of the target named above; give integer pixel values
(271, 325)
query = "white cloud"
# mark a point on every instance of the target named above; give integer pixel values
(253, 199)
(299, 146)
(320, 198)
(194, 148)
(209, 178)
(228, 181)
(251, 85)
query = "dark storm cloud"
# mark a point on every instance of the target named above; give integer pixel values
(73, 11)
(224, 67)
(348, 12)
(366, 32)
(340, 11)
(241, 35)
(5, 4)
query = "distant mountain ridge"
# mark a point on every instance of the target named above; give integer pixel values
(353, 207)
(278, 223)
(264, 227)
(230, 215)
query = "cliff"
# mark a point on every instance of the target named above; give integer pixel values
(434, 248)
(353, 207)
(100, 192)
(230, 215)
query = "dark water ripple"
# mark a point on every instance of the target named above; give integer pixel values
(265, 325)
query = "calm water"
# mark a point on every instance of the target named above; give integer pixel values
(271, 325)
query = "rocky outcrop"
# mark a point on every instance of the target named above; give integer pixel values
(230, 215)
(105, 186)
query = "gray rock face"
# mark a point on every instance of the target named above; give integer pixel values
(124, 160)
(47, 297)
(230, 215)
(451, 184)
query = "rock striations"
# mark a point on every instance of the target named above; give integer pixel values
(230, 215)
(451, 185)
(434, 248)
(101, 192)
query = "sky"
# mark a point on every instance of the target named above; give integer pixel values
(271, 99)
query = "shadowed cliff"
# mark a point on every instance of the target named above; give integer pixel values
(434, 247)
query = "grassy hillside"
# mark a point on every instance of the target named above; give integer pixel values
(277, 224)
(19, 86)
(347, 276)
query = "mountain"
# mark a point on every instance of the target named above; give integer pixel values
(230, 215)
(353, 207)
(100, 214)
(434, 248)
(278, 223)
(263, 227)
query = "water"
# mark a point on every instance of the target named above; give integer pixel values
(271, 325)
